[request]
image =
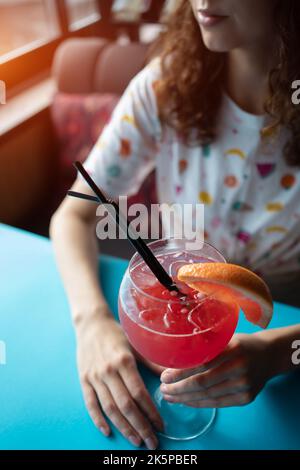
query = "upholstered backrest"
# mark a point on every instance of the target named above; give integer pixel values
(94, 65)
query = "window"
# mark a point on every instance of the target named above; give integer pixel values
(26, 24)
(81, 13)
(129, 10)
(31, 31)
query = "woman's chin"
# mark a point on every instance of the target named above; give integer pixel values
(217, 43)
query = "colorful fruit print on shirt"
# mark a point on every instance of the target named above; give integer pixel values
(265, 169)
(183, 164)
(243, 236)
(125, 148)
(231, 181)
(216, 222)
(206, 150)
(129, 119)
(288, 181)
(242, 206)
(269, 136)
(276, 229)
(205, 198)
(178, 189)
(114, 171)
(235, 153)
(269, 133)
(274, 207)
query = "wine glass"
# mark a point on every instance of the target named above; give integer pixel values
(175, 332)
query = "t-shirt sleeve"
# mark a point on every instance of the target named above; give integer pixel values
(125, 152)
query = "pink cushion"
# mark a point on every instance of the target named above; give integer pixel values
(74, 64)
(78, 121)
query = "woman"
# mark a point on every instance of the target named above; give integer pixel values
(213, 114)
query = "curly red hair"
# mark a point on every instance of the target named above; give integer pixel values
(195, 71)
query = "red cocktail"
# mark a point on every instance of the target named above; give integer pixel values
(173, 331)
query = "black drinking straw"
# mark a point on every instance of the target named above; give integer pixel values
(83, 196)
(140, 246)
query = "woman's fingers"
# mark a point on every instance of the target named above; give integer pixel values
(205, 380)
(217, 391)
(238, 399)
(170, 376)
(174, 375)
(129, 410)
(113, 412)
(140, 394)
(93, 406)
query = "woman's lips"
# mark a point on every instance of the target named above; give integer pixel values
(208, 19)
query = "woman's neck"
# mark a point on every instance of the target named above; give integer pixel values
(248, 78)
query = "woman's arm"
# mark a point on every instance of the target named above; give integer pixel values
(72, 231)
(280, 343)
(108, 372)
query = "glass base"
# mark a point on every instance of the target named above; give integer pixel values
(181, 422)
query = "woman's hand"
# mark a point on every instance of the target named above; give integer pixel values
(112, 385)
(234, 378)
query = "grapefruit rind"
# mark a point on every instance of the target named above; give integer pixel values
(231, 283)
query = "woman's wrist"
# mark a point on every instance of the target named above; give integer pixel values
(84, 318)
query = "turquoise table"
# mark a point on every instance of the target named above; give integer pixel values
(41, 406)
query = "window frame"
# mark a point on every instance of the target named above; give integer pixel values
(36, 61)
(21, 71)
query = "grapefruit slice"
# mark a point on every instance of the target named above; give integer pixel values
(231, 283)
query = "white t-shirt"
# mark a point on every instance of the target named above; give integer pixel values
(251, 196)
